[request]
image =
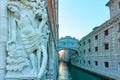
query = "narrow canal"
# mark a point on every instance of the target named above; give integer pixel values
(67, 72)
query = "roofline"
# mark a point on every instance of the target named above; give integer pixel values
(108, 3)
(111, 1)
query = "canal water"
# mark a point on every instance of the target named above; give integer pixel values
(67, 72)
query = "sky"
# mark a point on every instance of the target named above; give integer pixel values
(77, 18)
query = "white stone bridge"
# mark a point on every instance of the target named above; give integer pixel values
(68, 43)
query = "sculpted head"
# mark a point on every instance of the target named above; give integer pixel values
(13, 7)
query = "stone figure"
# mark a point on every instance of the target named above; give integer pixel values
(28, 35)
(43, 27)
(31, 20)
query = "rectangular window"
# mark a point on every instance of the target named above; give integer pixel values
(106, 32)
(84, 51)
(106, 64)
(89, 50)
(89, 40)
(89, 62)
(106, 46)
(118, 27)
(96, 37)
(96, 48)
(84, 43)
(119, 4)
(96, 63)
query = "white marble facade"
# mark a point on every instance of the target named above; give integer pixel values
(25, 41)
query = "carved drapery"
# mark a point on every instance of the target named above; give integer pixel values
(28, 39)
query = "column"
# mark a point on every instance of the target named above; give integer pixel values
(3, 37)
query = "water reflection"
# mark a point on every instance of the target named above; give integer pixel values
(67, 72)
(63, 72)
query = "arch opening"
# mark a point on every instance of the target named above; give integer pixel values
(66, 54)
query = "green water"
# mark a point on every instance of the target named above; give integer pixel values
(67, 72)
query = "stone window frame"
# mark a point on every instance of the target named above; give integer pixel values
(106, 46)
(89, 50)
(89, 62)
(84, 43)
(106, 64)
(106, 32)
(84, 61)
(96, 48)
(84, 51)
(119, 5)
(96, 37)
(96, 63)
(89, 40)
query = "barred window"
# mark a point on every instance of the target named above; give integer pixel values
(96, 37)
(106, 64)
(106, 46)
(106, 32)
(96, 63)
(89, 62)
(96, 48)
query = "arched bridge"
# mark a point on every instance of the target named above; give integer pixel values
(68, 43)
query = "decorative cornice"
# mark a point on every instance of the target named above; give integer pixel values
(110, 2)
(68, 37)
(110, 22)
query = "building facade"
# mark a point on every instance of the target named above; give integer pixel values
(28, 39)
(99, 51)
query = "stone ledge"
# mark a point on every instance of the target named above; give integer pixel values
(111, 76)
(20, 76)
